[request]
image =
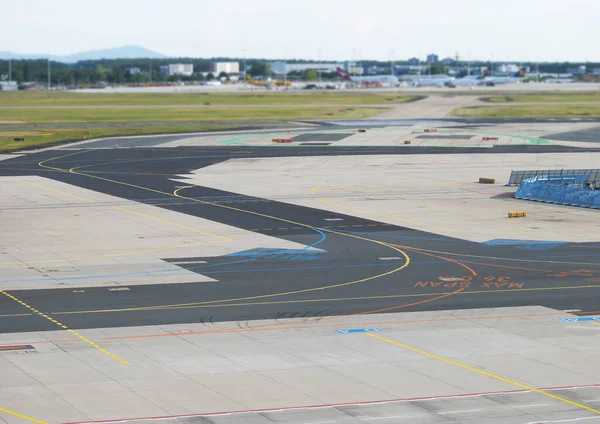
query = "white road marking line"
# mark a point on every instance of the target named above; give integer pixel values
(188, 262)
(119, 289)
(334, 219)
(391, 258)
(571, 310)
(458, 412)
(380, 418)
(530, 406)
(320, 422)
(591, 400)
(566, 421)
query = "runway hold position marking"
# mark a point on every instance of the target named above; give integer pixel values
(489, 374)
(61, 325)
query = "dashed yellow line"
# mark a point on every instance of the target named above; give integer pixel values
(488, 374)
(61, 325)
(25, 417)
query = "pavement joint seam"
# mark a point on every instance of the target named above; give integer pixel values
(60, 324)
(479, 371)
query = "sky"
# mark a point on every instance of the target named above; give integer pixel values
(499, 30)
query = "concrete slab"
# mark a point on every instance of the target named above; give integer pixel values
(434, 193)
(266, 373)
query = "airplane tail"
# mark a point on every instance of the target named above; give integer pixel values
(520, 74)
(250, 79)
(343, 74)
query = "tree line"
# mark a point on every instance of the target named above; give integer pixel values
(118, 71)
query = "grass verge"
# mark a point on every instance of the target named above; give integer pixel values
(546, 98)
(87, 115)
(530, 111)
(35, 138)
(22, 98)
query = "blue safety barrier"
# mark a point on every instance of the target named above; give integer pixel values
(566, 190)
(516, 177)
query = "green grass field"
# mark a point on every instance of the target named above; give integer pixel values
(41, 98)
(179, 114)
(39, 137)
(531, 111)
(547, 98)
(189, 111)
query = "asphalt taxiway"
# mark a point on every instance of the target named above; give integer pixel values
(205, 283)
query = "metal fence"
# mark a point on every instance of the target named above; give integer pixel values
(593, 175)
(567, 192)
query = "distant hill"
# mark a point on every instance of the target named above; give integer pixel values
(125, 52)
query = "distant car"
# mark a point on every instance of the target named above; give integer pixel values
(310, 86)
(449, 84)
(330, 87)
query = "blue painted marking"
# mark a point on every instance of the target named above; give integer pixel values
(359, 330)
(525, 244)
(579, 319)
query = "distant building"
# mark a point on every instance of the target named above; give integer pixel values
(355, 70)
(414, 61)
(595, 71)
(8, 85)
(372, 70)
(433, 58)
(133, 71)
(185, 69)
(280, 67)
(227, 67)
(448, 61)
(579, 70)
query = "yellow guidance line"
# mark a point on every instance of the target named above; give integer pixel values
(195, 230)
(488, 374)
(61, 325)
(25, 417)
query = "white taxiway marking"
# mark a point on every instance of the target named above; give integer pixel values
(458, 412)
(531, 406)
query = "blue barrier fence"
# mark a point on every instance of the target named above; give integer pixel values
(516, 177)
(564, 190)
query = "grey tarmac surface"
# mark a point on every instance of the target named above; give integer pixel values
(263, 284)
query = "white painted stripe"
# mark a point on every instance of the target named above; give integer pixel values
(458, 412)
(334, 219)
(571, 310)
(380, 418)
(531, 406)
(189, 262)
(119, 289)
(390, 258)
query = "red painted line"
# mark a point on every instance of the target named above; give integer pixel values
(333, 405)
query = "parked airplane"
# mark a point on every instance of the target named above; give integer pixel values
(267, 84)
(376, 80)
(516, 77)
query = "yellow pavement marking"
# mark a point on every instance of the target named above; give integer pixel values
(25, 417)
(327, 202)
(504, 259)
(176, 194)
(36, 312)
(595, 323)
(488, 374)
(185, 227)
(55, 190)
(211, 304)
(109, 255)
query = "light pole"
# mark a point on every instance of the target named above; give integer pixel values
(285, 69)
(320, 69)
(245, 52)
